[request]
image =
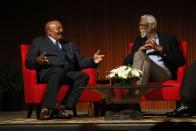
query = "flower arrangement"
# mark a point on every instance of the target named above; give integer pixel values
(123, 74)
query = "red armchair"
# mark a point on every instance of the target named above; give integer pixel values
(169, 93)
(34, 92)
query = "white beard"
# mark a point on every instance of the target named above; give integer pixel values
(143, 33)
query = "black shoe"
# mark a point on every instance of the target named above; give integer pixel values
(181, 111)
(60, 114)
(45, 114)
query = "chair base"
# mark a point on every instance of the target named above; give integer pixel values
(30, 110)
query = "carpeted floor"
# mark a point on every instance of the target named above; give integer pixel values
(152, 121)
(89, 120)
(19, 118)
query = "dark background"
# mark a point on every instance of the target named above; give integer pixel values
(108, 25)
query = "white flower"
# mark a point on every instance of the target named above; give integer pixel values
(136, 73)
(124, 72)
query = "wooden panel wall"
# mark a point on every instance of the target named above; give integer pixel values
(111, 25)
(108, 25)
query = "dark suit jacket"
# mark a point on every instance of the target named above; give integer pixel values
(172, 55)
(56, 57)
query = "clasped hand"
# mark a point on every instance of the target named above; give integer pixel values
(151, 44)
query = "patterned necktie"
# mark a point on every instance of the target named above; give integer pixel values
(57, 45)
(67, 59)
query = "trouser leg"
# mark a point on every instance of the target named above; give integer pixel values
(151, 71)
(53, 79)
(77, 81)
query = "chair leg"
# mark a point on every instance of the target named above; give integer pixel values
(96, 108)
(103, 107)
(29, 110)
(177, 103)
(38, 110)
(75, 113)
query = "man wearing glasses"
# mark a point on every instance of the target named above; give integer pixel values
(157, 54)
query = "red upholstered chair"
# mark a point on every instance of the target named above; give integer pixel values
(169, 93)
(34, 92)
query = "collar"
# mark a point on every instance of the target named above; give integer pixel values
(52, 39)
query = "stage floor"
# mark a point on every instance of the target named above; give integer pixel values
(153, 121)
(156, 116)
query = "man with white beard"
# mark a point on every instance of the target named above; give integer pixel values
(157, 54)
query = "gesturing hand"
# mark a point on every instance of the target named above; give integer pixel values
(42, 59)
(97, 57)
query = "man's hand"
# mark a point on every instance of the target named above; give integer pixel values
(151, 44)
(145, 47)
(97, 57)
(42, 59)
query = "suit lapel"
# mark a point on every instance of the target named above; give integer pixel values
(51, 45)
(161, 40)
(67, 51)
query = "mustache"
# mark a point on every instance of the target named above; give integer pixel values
(60, 33)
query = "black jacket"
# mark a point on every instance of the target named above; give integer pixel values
(172, 55)
(55, 56)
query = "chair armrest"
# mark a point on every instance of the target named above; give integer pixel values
(92, 75)
(181, 73)
(30, 76)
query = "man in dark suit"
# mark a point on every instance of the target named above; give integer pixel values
(187, 106)
(157, 55)
(58, 62)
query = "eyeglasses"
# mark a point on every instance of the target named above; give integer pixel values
(143, 25)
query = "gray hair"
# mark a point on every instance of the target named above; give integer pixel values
(150, 19)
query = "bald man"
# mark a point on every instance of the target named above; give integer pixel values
(58, 62)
